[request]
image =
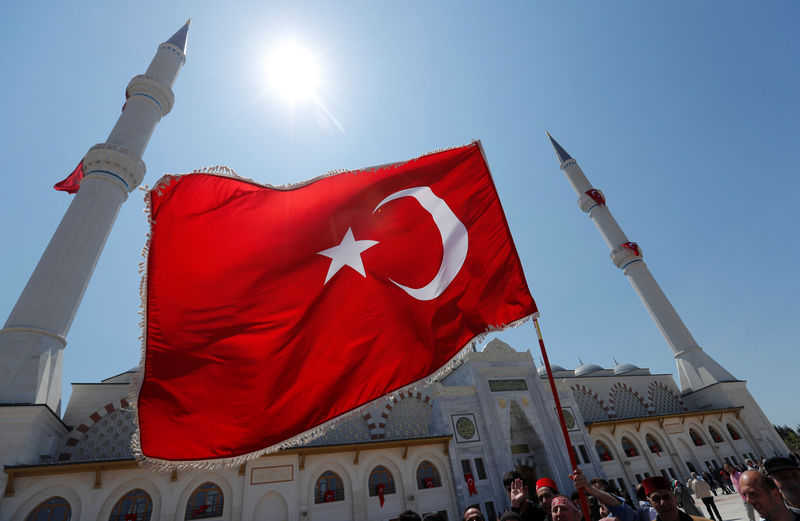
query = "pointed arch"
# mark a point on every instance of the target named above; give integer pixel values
(328, 488)
(733, 432)
(136, 503)
(381, 476)
(271, 506)
(626, 402)
(205, 501)
(696, 438)
(628, 447)
(664, 400)
(653, 444)
(428, 476)
(603, 452)
(591, 406)
(55, 508)
(716, 437)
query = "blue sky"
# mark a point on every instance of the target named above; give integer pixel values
(685, 114)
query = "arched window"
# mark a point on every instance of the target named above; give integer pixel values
(205, 501)
(428, 476)
(733, 432)
(380, 476)
(653, 445)
(696, 439)
(328, 488)
(629, 448)
(602, 451)
(136, 505)
(714, 435)
(54, 509)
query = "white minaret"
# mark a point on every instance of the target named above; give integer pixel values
(696, 369)
(34, 336)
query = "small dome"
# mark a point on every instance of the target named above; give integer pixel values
(586, 369)
(555, 368)
(624, 368)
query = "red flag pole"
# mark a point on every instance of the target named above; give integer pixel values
(572, 460)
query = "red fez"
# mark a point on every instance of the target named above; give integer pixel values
(546, 482)
(655, 483)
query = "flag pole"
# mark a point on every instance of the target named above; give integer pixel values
(572, 459)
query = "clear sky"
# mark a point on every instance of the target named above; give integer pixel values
(685, 114)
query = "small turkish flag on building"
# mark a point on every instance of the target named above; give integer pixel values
(470, 484)
(381, 489)
(72, 182)
(329, 497)
(270, 312)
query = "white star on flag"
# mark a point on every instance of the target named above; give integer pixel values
(347, 253)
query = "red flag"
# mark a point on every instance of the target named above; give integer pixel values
(428, 483)
(596, 196)
(72, 182)
(381, 489)
(270, 312)
(329, 496)
(470, 484)
(633, 247)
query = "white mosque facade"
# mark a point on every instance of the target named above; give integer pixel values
(438, 448)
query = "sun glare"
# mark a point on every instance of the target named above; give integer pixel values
(292, 72)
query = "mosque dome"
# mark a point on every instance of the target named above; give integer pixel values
(555, 368)
(586, 369)
(624, 368)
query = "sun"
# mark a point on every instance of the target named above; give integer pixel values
(292, 72)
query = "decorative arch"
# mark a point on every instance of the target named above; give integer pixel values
(733, 432)
(114, 496)
(115, 420)
(191, 487)
(55, 508)
(603, 452)
(591, 406)
(272, 506)
(328, 488)
(381, 476)
(321, 466)
(664, 400)
(629, 447)
(716, 437)
(406, 415)
(48, 488)
(207, 500)
(428, 476)
(626, 402)
(697, 440)
(354, 429)
(653, 444)
(135, 505)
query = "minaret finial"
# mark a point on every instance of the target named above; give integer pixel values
(560, 152)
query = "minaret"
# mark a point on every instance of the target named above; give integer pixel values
(696, 369)
(34, 336)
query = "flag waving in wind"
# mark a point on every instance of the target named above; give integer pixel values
(270, 312)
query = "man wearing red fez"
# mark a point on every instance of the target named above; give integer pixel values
(660, 495)
(517, 492)
(546, 489)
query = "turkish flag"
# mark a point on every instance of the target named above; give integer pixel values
(428, 483)
(72, 182)
(329, 496)
(470, 484)
(270, 312)
(381, 489)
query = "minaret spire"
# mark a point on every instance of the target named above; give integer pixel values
(696, 369)
(34, 336)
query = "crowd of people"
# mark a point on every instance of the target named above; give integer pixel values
(769, 488)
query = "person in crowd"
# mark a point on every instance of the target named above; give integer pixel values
(517, 492)
(663, 500)
(564, 509)
(734, 473)
(546, 490)
(610, 505)
(409, 515)
(702, 490)
(433, 516)
(762, 492)
(708, 478)
(685, 499)
(510, 516)
(473, 513)
(786, 475)
(724, 480)
(644, 510)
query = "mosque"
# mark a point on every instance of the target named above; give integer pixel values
(438, 448)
